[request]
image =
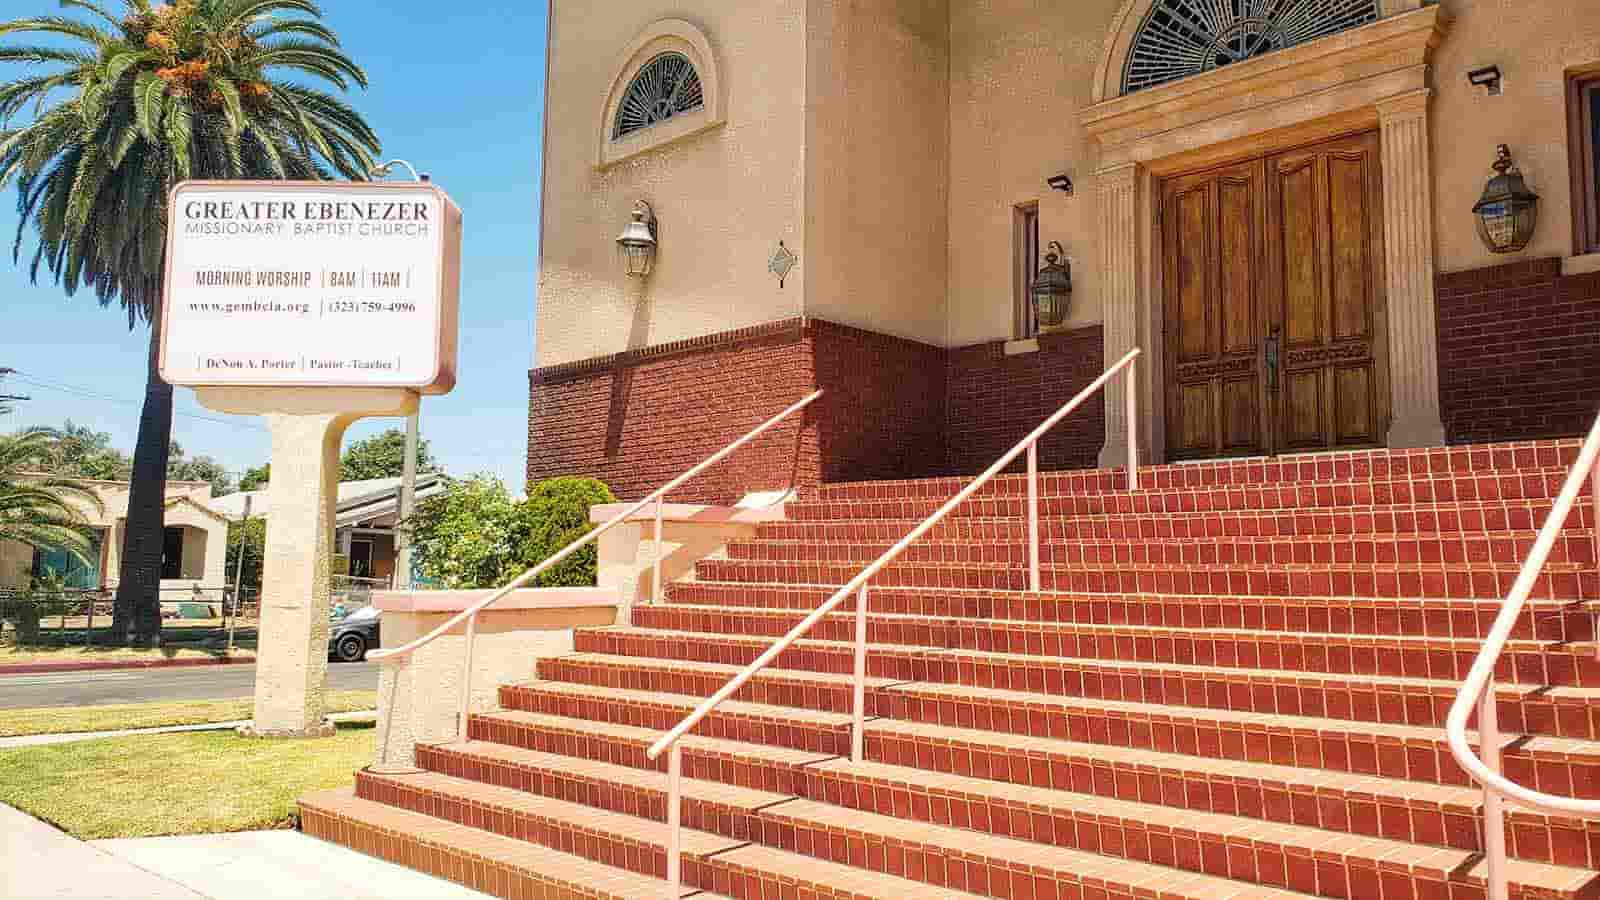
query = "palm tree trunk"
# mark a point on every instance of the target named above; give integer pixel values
(138, 602)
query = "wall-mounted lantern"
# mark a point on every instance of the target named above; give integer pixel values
(637, 242)
(1508, 212)
(1052, 288)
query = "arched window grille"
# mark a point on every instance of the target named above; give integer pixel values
(1179, 38)
(666, 86)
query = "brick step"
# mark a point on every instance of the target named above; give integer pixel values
(487, 862)
(1343, 466)
(1364, 805)
(1564, 581)
(1524, 662)
(637, 845)
(799, 842)
(820, 691)
(1380, 549)
(1475, 517)
(1542, 620)
(1351, 698)
(1556, 765)
(757, 723)
(1449, 488)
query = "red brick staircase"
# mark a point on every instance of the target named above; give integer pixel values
(1233, 686)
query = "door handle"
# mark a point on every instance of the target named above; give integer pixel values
(1271, 353)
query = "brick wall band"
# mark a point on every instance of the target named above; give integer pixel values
(892, 408)
(1519, 352)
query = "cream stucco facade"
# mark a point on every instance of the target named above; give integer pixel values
(889, 145)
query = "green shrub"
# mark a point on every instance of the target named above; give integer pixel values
(555, 514)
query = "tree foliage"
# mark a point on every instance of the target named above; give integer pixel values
(382, 456)
(42, 511)
(200, 468)
(255, 479)
(85, 453)
(254, 548)
(474, 535)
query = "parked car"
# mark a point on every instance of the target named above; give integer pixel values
(350, 637)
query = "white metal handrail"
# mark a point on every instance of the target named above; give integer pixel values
(1477, 691)
(470, 614)
(858, 586)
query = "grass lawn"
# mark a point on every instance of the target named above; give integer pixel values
(181, 639)
(194, 783)
(56, 720)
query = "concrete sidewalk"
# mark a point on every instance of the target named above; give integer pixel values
(278, 865)
(38, 862)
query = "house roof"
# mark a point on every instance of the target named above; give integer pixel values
(208, 509)
(358, 500)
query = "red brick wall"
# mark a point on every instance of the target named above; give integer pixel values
(883, 413)
(639, 419)
(1519, 352)
(892, 408)
(994, 400)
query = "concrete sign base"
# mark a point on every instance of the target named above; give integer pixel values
(292, 647)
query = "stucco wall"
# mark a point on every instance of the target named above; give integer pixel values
(723, 197)
(1020, 70)
(1533, 44)
(877, 165)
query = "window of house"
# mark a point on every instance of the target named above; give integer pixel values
(172, 552)
(1583, 100)
(1026, 243)
(72, 571)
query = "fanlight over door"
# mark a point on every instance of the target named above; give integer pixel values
(1179, 38)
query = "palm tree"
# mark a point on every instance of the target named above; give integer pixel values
(128, 106)
(37, 509)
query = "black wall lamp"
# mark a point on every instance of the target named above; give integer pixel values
(1060, 183)
(1487, 78)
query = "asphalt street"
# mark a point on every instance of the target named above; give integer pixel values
(146, 685)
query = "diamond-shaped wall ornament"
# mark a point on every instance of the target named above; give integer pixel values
(782, 262)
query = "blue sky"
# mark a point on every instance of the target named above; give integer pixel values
(457, 89)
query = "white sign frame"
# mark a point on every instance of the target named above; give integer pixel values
(184, 332)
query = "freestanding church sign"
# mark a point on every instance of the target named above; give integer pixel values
(311, 284)
(311, 304)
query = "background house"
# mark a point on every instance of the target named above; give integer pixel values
(194, 546)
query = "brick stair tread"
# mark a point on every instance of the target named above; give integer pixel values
(1239, 634)
(1511, 690)
(854, 566)
(550, 866)
(1438, 861)
(687, 703)
(1462, 798)
(577, 817)
(765, 752)
(692, 665)
(1047, 539)
(952, 842)
(730, 795)
(899, 526)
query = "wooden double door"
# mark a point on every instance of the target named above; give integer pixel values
(1273, 303)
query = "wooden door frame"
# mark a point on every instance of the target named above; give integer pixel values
(1225, 156)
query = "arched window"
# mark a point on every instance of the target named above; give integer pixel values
(1179, 38)
(667, 86)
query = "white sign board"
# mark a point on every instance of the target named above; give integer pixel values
(311, 284)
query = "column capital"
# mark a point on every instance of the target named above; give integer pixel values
(1404, 107)
(1120, 176)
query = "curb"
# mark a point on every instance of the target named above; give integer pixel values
(106, 665)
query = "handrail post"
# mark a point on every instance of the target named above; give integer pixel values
(466, 678)
(858, 732)
(674, 822)
(1494, 825)
(1033, 517)
(1132, 388)
(655, 563)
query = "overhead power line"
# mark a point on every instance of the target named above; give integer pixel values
(25, 378)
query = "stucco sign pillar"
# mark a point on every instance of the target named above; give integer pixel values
(1408, 265)
(312, 305)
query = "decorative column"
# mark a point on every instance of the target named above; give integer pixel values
(1119, 288)
(1408, 254)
